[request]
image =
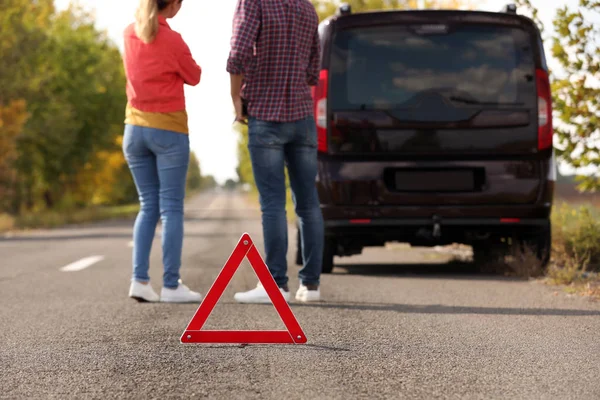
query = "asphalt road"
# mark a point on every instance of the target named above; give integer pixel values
(393, 324)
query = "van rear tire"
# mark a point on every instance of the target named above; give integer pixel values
(538, 244)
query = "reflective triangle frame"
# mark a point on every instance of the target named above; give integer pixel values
(244, 249)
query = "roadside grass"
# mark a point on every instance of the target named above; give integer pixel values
(6, 222)
(525, 264)
(576, 248)
(53, 219)
(518, 263)
(575, 261)
(56, 218)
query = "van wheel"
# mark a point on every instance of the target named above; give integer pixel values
(540, 244)
(328, 255)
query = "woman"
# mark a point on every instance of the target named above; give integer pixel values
(156, 143)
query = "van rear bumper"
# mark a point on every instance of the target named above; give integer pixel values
(335, 214)
(365, 224)
(353, 235)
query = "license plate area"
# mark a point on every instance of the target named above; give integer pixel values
(450, 180)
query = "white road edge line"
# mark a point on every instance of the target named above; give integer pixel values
(82, 264)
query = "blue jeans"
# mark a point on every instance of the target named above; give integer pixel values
(158, 161)
(272, 146)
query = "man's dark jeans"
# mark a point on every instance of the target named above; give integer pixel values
(273, 145)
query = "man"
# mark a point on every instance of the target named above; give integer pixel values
(274, 60)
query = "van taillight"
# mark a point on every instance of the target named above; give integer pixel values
(545, 129)
(320, 99)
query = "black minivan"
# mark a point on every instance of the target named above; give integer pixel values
(435, 127)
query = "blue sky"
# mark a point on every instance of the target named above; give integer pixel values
(206, 27)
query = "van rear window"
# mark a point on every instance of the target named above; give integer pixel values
(390, 67)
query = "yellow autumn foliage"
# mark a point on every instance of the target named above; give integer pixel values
(12, 118)
(105, 179)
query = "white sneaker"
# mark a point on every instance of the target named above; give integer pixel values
(305, 295)
(182, 294)
(258, 295)
(142, 292)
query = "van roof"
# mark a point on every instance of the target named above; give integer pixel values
(413, 15)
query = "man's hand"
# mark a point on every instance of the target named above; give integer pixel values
(239, 109)
(236, 88)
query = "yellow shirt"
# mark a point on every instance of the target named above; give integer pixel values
(171, 121)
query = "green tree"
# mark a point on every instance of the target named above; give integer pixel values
(209, 182)
(82, 102)
(575, 40)
(230, 184)
(22, 36)
(576, 46)
(12, 119)
(23, 26)
(71, 79)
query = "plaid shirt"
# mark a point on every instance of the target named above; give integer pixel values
(275, 46)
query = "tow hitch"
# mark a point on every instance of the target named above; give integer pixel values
(437, 229)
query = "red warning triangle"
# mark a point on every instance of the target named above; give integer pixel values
(245, 248)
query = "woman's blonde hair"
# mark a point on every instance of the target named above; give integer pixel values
(146, 18)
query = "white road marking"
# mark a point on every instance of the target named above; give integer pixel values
(82, 264)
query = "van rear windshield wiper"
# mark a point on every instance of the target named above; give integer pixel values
(470, 100)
